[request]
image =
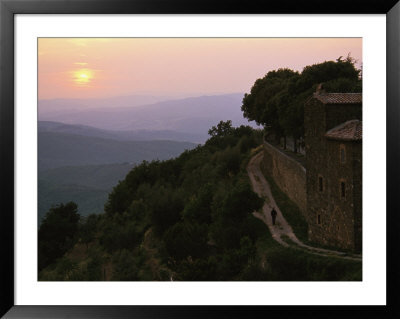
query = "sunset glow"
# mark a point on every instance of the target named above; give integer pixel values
(105, 67)
(83, 76)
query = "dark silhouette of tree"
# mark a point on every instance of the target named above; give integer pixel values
(222, 129)
(117, 236)
(166, 206)
(124, 266)
(263, 103)
(87, 229)
(231, 215)
(198, 207)
(183, 240)
(57, 233)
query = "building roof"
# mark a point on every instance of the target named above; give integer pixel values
(339, 98)
(348, 131)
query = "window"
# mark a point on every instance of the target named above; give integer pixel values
(319, 219)
(342, 154)
(343, 189)
(320, 184)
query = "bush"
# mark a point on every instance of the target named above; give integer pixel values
(295, 265)
(184, 239)
(115, 236)
(166, 206)
(198, 270)
(124, 266)
(94, 268)
(246, 143)
(198, 209)
(57, 233)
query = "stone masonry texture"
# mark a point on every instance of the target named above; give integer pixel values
(288, 174)
(334, 173)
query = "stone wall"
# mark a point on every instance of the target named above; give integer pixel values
(288, 174)
(333, 186)
(339, 209)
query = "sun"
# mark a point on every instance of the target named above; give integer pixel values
(83, 76)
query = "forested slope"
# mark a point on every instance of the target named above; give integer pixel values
(187, 218)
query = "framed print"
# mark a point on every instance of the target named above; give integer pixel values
(166, 159)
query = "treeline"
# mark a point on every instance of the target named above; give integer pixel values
(188, 218)
(277, 100)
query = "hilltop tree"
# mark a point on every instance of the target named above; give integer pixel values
(277, 100)
(222, 129)
(263, 104)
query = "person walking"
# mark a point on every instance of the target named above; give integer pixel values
(273, 215)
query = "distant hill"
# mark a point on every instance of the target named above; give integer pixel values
(95, 176)
(88, 186)
(62, 105)
(90, 200)
(132, 135)
(194, 115)
(63, 149)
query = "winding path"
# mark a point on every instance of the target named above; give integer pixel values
(281, 228)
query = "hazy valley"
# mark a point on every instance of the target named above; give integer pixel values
(193, 115)
(83, 157)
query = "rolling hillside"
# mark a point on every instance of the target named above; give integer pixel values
(84, 169)
(131, 135)
(62, 149)
(88, 186)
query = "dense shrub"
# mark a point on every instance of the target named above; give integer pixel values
(57, 233)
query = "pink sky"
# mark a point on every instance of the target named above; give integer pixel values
(97, 67)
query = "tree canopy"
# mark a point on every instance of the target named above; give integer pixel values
(276, 101)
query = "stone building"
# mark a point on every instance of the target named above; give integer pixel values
(333, 140)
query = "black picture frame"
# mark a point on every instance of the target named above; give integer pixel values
(8, 8)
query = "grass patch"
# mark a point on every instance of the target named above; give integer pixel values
(288, 208)
(288, 264)
(287, 240)
(346, 252)
(278, 263)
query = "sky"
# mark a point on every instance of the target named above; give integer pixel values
(177, 67)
